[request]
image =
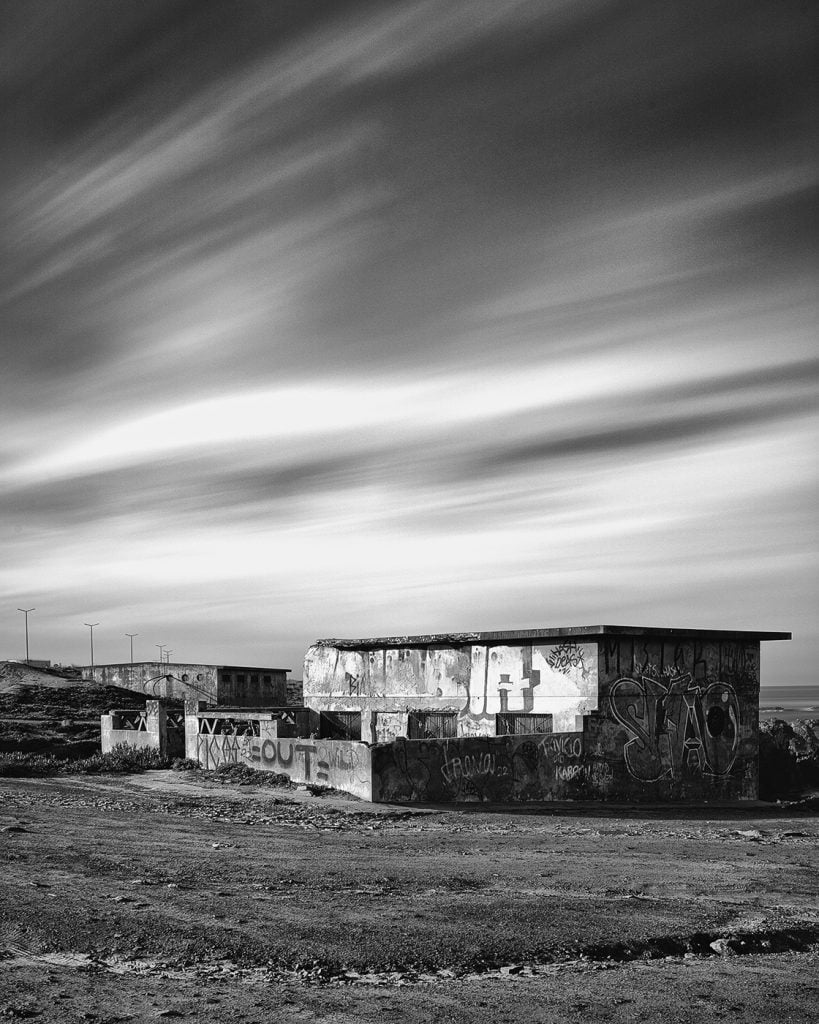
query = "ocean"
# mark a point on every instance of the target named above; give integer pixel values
(788, 702)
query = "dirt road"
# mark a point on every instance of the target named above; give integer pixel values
(166, 895)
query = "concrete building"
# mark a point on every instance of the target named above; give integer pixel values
(595, 712)
(235, 685)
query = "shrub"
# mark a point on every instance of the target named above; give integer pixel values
(23, 764)
(788, 758)
(123, 759)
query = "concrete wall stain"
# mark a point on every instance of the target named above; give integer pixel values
(479, 681)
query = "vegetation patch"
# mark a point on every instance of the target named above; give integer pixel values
(788, 758)
(122, 760)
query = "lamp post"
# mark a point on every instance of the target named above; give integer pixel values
(25, 612)
(91, 627)
(168, 657)
(132, 635)
(160, 646)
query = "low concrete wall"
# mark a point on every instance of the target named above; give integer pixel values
(588, 765)
(341, 764)
(154, 728)
(112, 737)
(502, 769)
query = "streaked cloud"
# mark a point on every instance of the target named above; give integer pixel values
(325, 319)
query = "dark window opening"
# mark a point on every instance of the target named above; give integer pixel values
(240, 677)
(432, 725)
(509, 724)
(340, 725)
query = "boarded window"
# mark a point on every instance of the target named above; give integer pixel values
(432, 725)
(340, 725)
(509, 724)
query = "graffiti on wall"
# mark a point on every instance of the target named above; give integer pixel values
(568, 656)
(676, 726)
(325, 763)
(497, 768)
(480, 680)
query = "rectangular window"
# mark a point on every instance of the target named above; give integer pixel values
(240, 677)
(432, 725)
(512, 724)
(254, 679)
(266, 680)
(340, 725)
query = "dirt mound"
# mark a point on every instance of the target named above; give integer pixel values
(14, 674)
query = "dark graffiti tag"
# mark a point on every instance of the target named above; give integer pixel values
(280, 754)
(676, 727)
(567, 656)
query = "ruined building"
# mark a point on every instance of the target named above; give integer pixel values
(596, 712)
(235, 685)
(616, 713)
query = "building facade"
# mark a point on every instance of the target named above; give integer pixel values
(236, 685)
(595, 712)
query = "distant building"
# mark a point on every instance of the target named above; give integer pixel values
(233, 685)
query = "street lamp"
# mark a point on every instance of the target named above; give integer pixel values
(91, 627)
(25, 612)
(132, 635)
(160, 646)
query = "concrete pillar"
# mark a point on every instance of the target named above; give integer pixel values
(192, 727)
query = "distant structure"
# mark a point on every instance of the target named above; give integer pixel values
(596, 712)
(234, 685)
(41, 663)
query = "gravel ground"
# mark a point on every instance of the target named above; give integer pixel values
(169, 895)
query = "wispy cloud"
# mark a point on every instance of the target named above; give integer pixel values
(321, 320)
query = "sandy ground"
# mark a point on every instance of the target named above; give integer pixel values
(168, 895)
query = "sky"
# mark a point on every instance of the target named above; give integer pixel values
(356, 319)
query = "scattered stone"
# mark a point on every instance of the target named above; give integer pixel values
(723, 947)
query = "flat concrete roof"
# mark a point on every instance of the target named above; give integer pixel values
(188, 664)
(551, 633)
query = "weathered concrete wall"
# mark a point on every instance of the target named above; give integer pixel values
(677, 722)
(478, 681)
(501, 769)
(342, 764)
(174, 682)
(235, 685)
(154, 728)
(252, 688)
(680, 717)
